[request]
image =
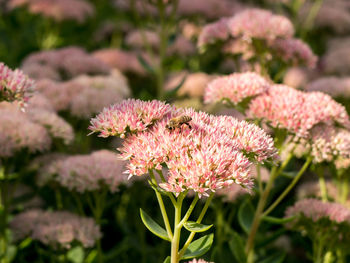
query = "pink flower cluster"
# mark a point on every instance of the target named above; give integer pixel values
(235, 88)
(297, 111)
(294, 51)
(198, 261)
(59, 10)
(128, 116)
(55, 229)
(311, 189)
(334, 86)
(85, 95)
(63, 63)
(275, 31)
(211, 154)
(30, 130)
(83, 173)
(125, 61)
(316, 210)
(14, 85)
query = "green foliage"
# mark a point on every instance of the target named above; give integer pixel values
(199, 247)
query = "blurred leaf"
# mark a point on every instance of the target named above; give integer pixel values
(145, 64)
(246, 215)
(275, 258)
(153, 226)
(26, 242)
(11, 253)
(276, 220)
(199, 247)
(289, 175)
(167, 260)
(76, 254)
(91, 257)
(195, 227)
(237, 248)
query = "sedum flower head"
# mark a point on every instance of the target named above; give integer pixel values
(294, 51)
(83, 173)
(213, 32)
(198, 261)
(235, 88)
(14, 85)
(297, 111)
(261, 24)
(213, 153)
(55, 229)
(334, 86)
(128, 116)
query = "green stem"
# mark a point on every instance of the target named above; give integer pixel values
(290, 187)
(162, 207)
(199, 220)
(170, 195)
(175, 241)
(344, 189)
(189, 211)
(318, 251)
(323, 186)
(163, 35)
(261, 205)
(309, 22)
(58, 199)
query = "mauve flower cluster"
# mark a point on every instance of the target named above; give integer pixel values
(334, 86)
(315, 210)
(63, 63)
(235, 88)
(298, 77)
(211, 154)
(297, 111)
(275, 31)
(85, 95)
(14, 85)
(193, 83)
(30, 130)
(59, 10)
(82, 173)
(125, 61)
(55, 229)
(336, 59)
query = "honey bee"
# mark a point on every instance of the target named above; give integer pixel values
(177, 122)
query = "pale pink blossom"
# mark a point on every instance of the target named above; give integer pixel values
(311, 189)
(235, 88)
(294, 51)
(297, 111)
(138, 39)
(260, 24)
(336, 59)
(14, 85)
(59, 229)
(213, 32)
(129, 115)
(86, 173)
(67, 62)
(297, 77)
(59, 10)
(334, 86)
(125, 61)
(316, 210)
(38, 71)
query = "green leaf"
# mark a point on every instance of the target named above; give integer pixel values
(237, 248)
(91, 257)
(246, 215)
(199, 247)
(76, 254)
(275, 258)
(145, 65)
(153, 226)
(26, 242)
(167, 260)
(195, 227)
(276, 220)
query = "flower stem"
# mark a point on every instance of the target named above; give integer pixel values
(323, 186)
(290, 187)
(261, 205)
(162, 207)
(175, 241)
(199, 220)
